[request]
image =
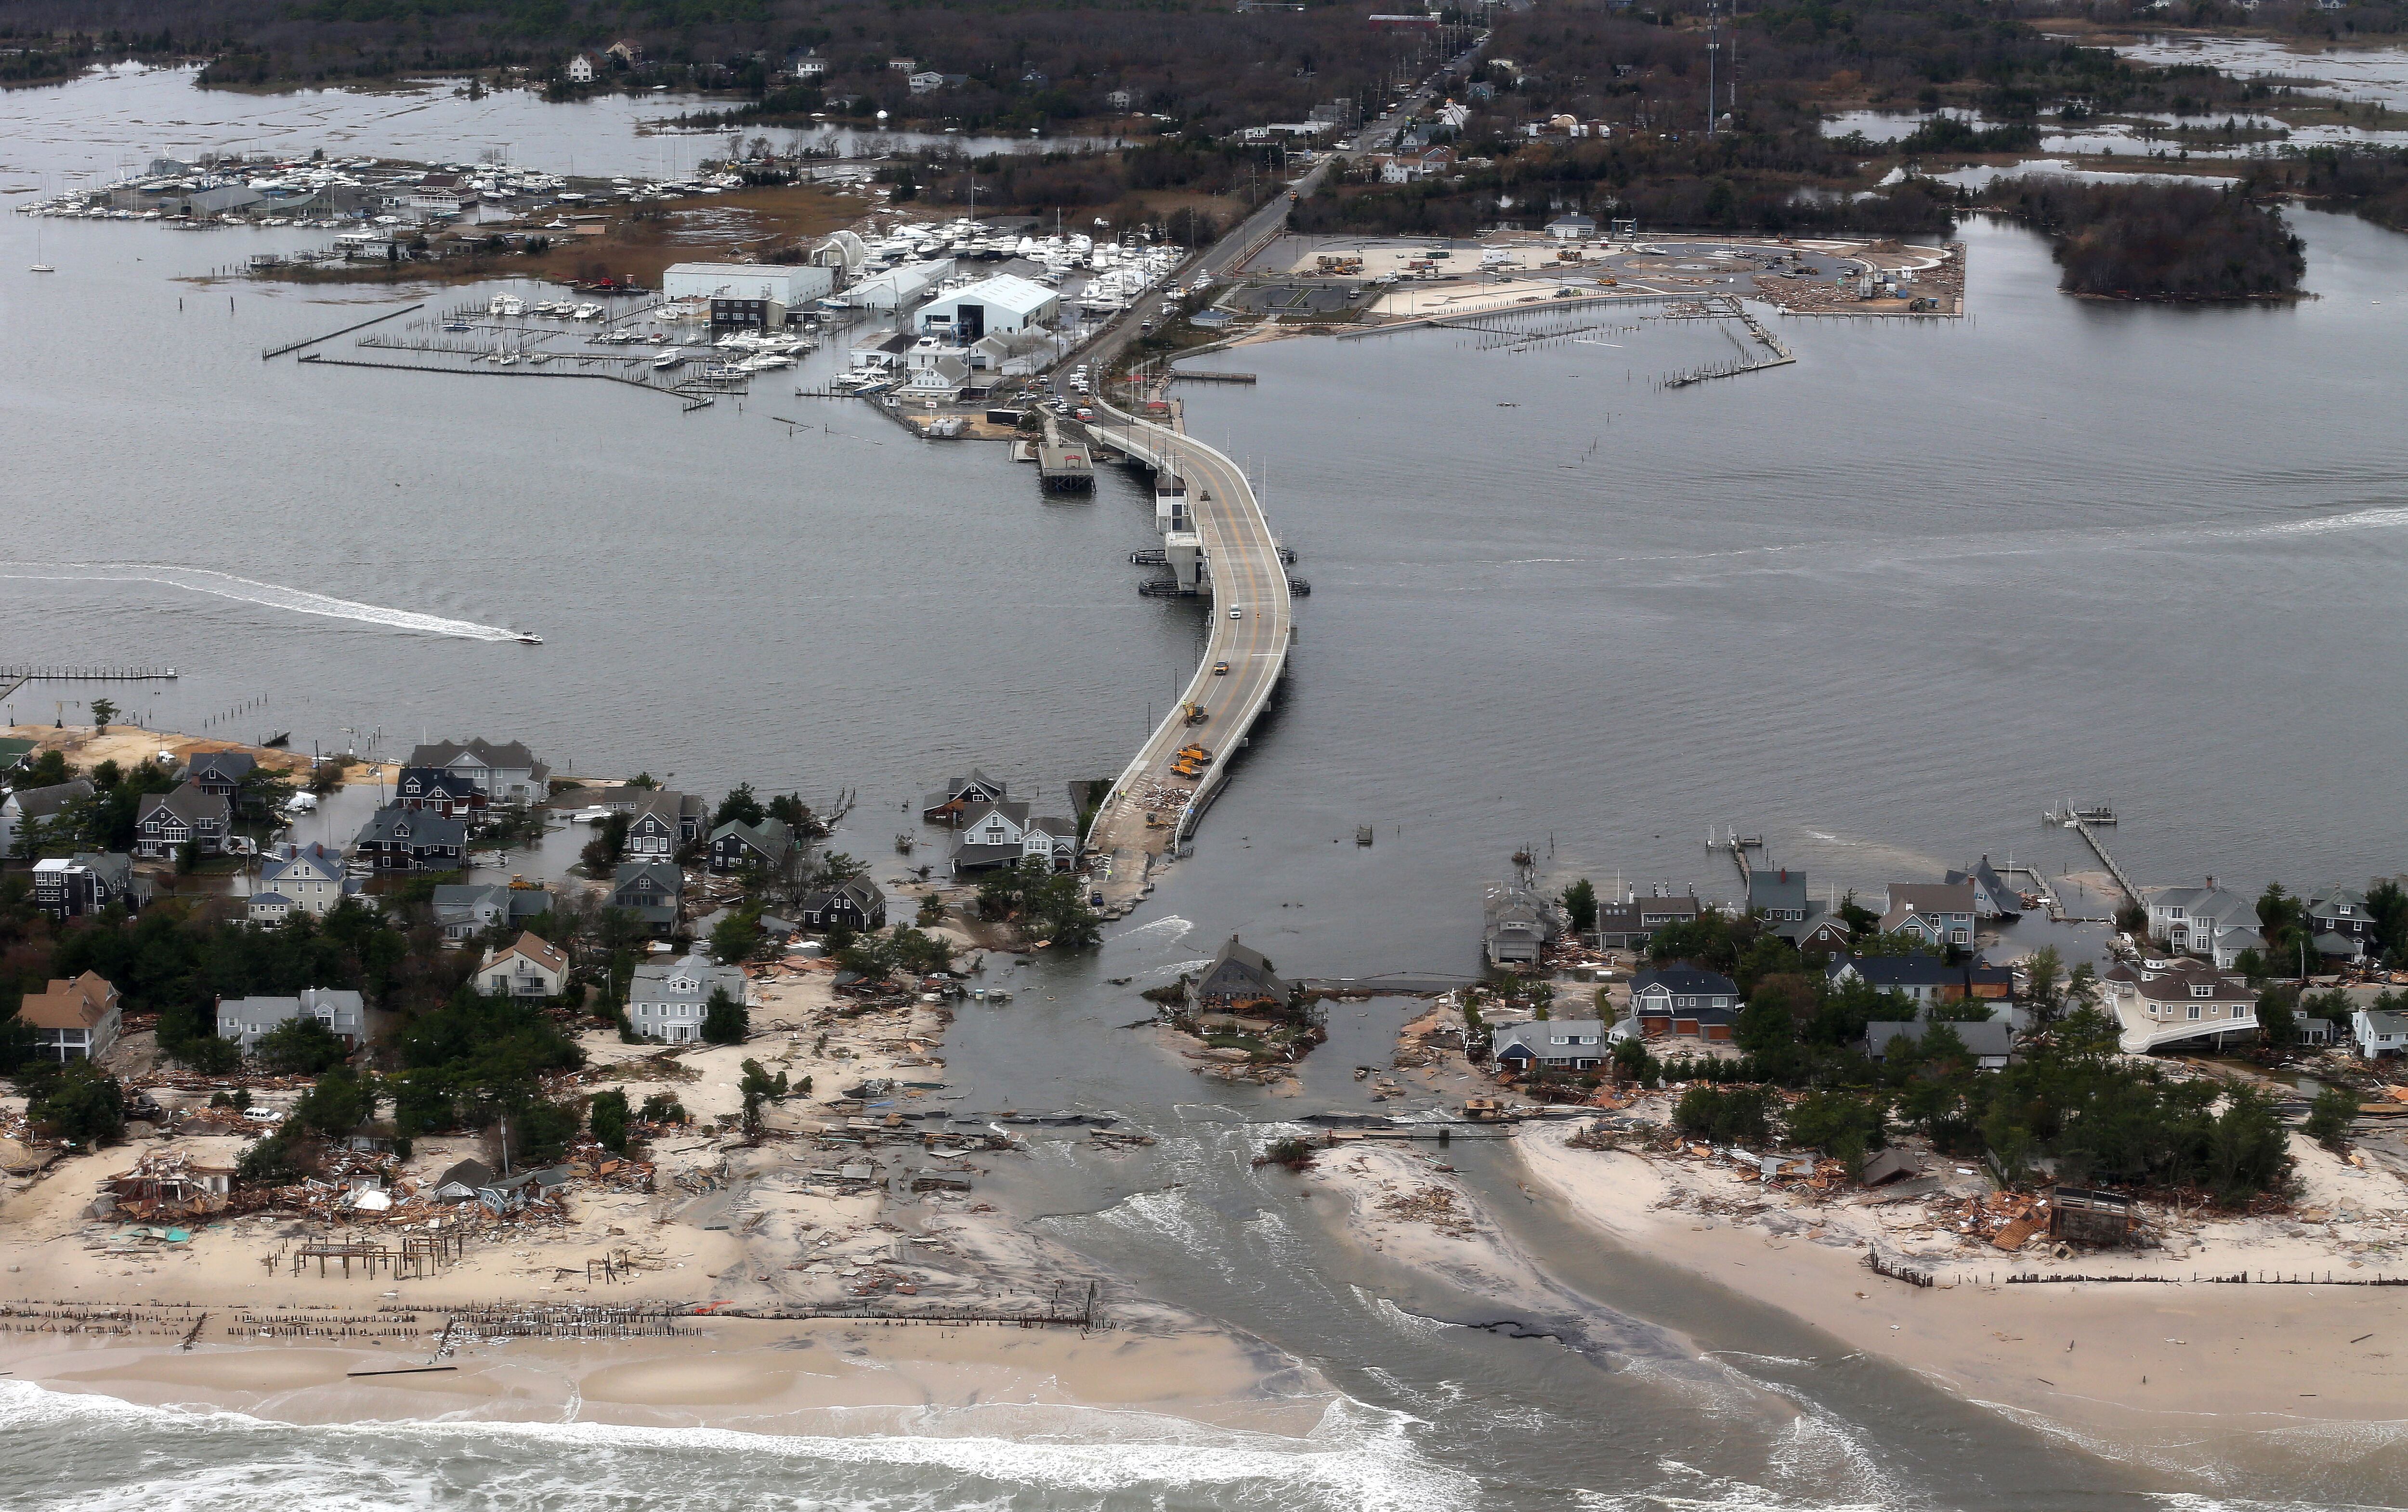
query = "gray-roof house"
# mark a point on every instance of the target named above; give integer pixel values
(220, 772)
(1239, 977)
(505, 772)
(1993, 897)
(34, 805)
(462, 909)
(2206, 922)
(87, 882)
(1629, 926)
(1684, 999)
(660, 822)
(399, 839)
(652, 890)
(959, 795)
(667, 1000)
(1920, 980)
(2342, 924)
(245, 1019)
(1991, 1043)
(855, 904)
(168, 821)
(1777, 895)
(1939, 913)
(2378, 1034)
(737, 847)
(1516, 928)
(1002, 834)
(1550, 1045)
(310, 879)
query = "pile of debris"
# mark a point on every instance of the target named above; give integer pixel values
(167, 1185)
(589, 1162)
(2007, 1220)
(1434, 1206)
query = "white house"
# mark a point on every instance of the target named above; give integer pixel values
(2205, 921)
(2376, 1031)
(810, 65)
(168, 821)
(667, 1000)
(1002, 834)
(505, 772)
(580, 68)
(925, 82)
(2163, 1001)
(1004, 304)
(245, 1019)
(529, 967)
(34, 805)
(309, 878)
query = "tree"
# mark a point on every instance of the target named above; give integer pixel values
(740, 806)
(338, 1103)
(737, 937)
(932, 910)
(1725, 1115)
(2278, 1017)
(301, 1046)
(2043, 973)
(2330, 1116)
(1579, 906)
(48, 770)
(2386, 906)
(1861, 921)
(85, 1105)
(103, 711)
(1845, 1125)
(607, 1116)
(724, 1021)
(756, 1088)
(2290, 933)
(603, 851)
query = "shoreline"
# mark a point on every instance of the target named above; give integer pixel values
(2198, 1381)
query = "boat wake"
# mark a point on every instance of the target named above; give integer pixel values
(246, 591)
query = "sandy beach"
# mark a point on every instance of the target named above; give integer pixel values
(2181, 1376)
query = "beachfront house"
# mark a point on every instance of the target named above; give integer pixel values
(1993, 898)
(399, 839)
(1239, 978)
(246, 1019)
(960, 794)
(1682, 999)
(1939, 914)
(2162, 1001)
(220, 772)
(855, 904)
(2341, 923)
(72, 1019)
(1777, 895)
(738, 847)
(1550, 1045)
(530, 966)
(1516, 928)
(653, 890)
(505, 772)
(667, 1000)
(2205, 921)
(168, 821)
(1629, 926)
(660, 822)
(1002, 834)
(2377, 1034)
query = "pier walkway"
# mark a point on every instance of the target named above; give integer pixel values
(1150, 808)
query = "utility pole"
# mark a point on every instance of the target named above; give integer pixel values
(1713, 45)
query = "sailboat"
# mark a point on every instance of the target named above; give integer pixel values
(39, 266)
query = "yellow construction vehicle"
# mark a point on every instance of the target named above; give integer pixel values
(1197, 754)
(1194, 713)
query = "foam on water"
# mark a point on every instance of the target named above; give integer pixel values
(1168, 930)
(246, 591)
(1357, 1457)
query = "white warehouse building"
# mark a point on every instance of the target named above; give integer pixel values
(1005, 305)
(791, 284)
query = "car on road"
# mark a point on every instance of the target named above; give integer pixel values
(1220, 669)
(1237, 614)
(1084, 413)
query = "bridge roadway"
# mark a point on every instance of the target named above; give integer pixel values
(1246, 576)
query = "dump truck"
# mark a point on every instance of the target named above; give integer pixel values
(1199, 754)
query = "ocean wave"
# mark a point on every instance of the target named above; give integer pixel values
(246, 591)
(174, 1458)
(1169, 929)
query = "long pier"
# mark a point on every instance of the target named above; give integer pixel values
(2099, 848)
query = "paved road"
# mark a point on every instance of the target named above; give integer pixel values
(1151, 809)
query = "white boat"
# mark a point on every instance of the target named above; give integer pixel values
(667, 360)
(529, 637)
